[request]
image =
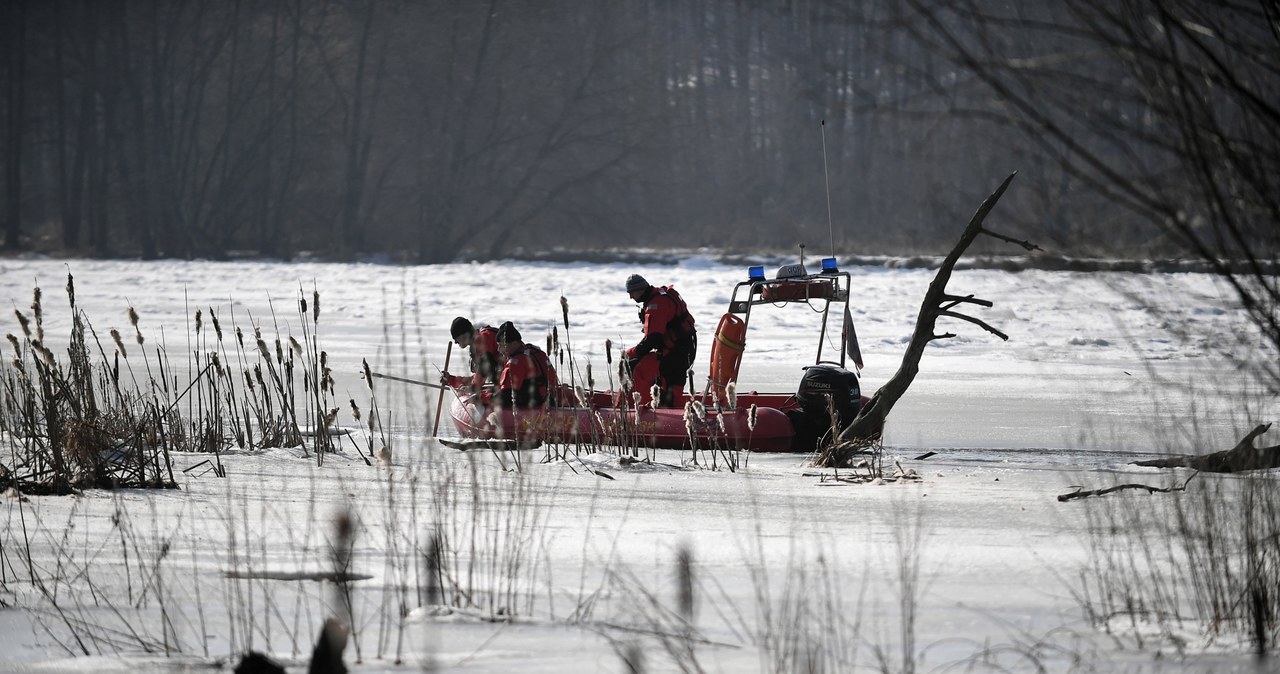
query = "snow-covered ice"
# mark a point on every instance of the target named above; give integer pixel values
(1099, 369)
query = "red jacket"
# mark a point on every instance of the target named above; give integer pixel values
(528, 379)
(666, 320)
(485, 360)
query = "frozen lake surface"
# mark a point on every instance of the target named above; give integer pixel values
(1094, 361)
(1098, 369)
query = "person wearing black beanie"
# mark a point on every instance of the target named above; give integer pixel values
(528, 378)
(670, 344)
(483, 357)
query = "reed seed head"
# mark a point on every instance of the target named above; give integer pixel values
(217, 327)
(239, 337)
(624, 376)
(315, 306)
(355, 409)
(344, 538)
(71, 289)
(608, 351)
(37, 310)
(137, 337)
(368, 374)
(133, 317)
(751, 417)
(564, 310)
(433, 564)
(633, 659)
(684, 582)
(199, 321)
(115, 337)
(13, 341)
(732, 392)
(295, 347)
(699, 410)
(23, 323)
(655, 394)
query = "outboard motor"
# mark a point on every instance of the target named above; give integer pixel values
(823, 388)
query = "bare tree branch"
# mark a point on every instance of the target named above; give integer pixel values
(870, 420)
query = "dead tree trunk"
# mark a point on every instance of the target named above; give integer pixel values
(869, 423)
(1244, 456)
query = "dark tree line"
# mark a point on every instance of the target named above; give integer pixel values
(439, 129)
(1167, 111)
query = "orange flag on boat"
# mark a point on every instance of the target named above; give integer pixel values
(851, 339)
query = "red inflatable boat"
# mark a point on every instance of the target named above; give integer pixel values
(604, 424)
(766, 422)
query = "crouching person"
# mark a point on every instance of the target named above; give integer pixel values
(528, 378)
(670, 342)
(484, 360)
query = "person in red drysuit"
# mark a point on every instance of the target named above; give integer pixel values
(484, 359)
(528, 378)
(670, 341)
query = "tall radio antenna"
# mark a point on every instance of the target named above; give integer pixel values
(826, 180)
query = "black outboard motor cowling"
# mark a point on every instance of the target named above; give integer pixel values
(823, 388)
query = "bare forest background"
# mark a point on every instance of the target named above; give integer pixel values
(438, 130)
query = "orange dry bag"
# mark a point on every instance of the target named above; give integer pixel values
(726, 354)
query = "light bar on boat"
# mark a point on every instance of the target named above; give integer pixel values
(829, 265)
(791, 271)
(755, 273)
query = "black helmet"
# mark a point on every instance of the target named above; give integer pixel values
(460, 326)
(507, 333)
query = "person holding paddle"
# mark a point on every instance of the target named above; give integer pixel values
(484, 358)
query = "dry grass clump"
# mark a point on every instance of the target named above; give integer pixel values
(109, 415)
(1200, 566)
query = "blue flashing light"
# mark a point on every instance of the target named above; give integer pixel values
(755, 273)
(829, 265)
